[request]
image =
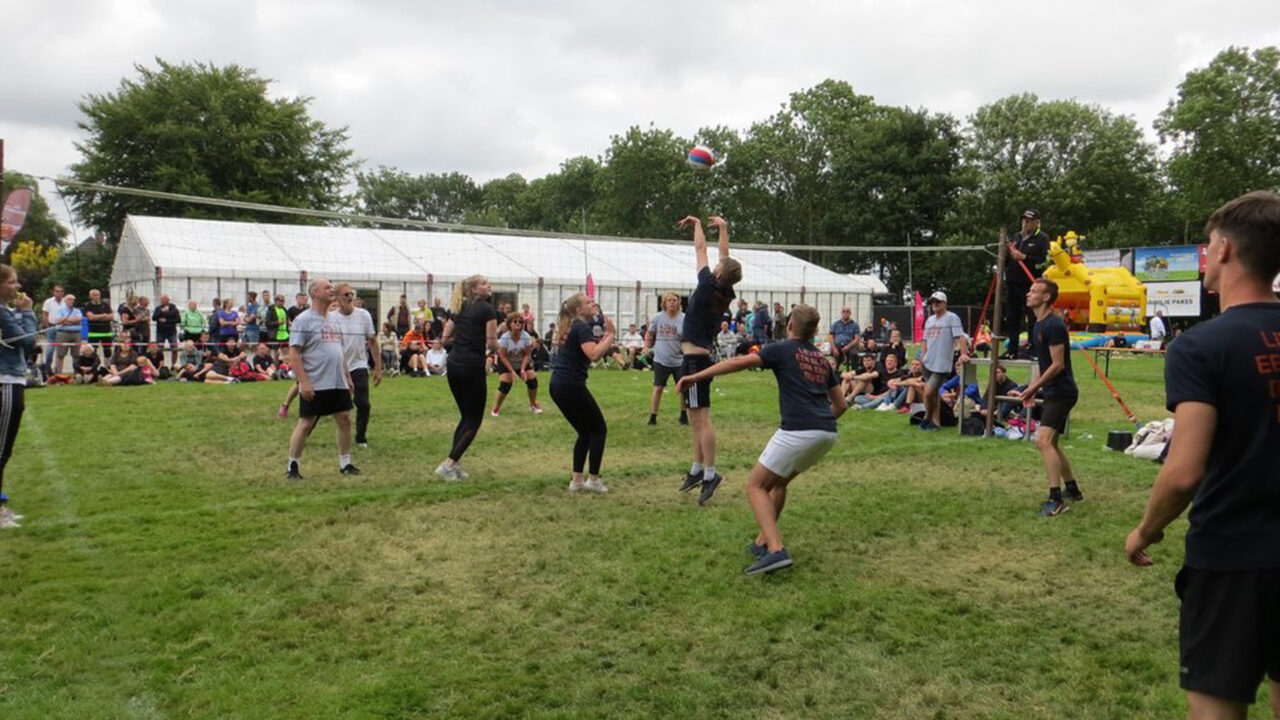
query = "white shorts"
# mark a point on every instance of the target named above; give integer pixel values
(794, 451)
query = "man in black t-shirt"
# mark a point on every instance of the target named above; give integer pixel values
(1222, 379)
(810, 402)
(100, 318)
(708, 302)
(1052, 346)
(167, 317)
(1028, 248)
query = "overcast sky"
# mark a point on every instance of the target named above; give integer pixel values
(488, 87)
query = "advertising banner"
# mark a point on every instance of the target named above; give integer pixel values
(1102, 258)
(1167, 264)
(1176, 299)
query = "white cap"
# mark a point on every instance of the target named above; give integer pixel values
(938, 295)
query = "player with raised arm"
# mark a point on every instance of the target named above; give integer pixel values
(810, 402)
(697, 337)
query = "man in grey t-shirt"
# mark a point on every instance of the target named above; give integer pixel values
(662, 340)
(359, 343)
(943, 334)
(324, 385)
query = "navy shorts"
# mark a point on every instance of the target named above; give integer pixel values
(1228, 631)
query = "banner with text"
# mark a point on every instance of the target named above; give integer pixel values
(1176, 299)
(1101, 258)
(1166, 264)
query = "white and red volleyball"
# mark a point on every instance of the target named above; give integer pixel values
(701, 158)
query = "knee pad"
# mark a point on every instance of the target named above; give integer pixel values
(504, 387)
(531, 383)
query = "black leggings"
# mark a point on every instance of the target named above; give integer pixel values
(11, 407)
(471, 393)
(360, 397)
(580, 409)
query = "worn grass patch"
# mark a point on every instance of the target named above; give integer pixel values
(166, 569)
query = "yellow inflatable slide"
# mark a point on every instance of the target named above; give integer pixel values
(1095, 299)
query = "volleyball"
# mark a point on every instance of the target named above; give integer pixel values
(701, 158)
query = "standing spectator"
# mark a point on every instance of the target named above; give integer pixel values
(780, 323)
(167, 318)
(844, 337)
(1220, 381)
(252, 316)
(401, 317)
(193, 322)
(277, 326)
(739, 322)
(324, 385)
(942, 333)
(228, 323)
(527, 313)
(299, 307)
(129, 315)
(883, 337)
(760, 324)
(1028, 248)
(48, 313)
(142, 328)
(359, 343)
(67, 320)
(100, 318)
(214, 327)
(422, 315)
(1158, 329)
(17, 339)
(440, 313)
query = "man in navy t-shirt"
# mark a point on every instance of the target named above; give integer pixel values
(809, 401)
(1222, 379)
(707, 304)
(1057, 384)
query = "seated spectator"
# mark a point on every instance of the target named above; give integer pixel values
(435, 358)
(155, 358)
(87, 368)
(190, 362)
(123, 369)
(263, 364)
(1003, 385)
(859, 382)
(895, 346)
(726, 341)
(418, 334)
(631, 342)
(906, 389)
(982, 339)
(150, 373)
(877, 391)
(226, 359)
(388, 344)
(871, 345)
(413, 361)
(539, 358)
(892, 374)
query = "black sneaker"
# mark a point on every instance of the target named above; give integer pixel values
(653, 419)
(684, 418)
(293, 473)
(1051, 508)
(757, 551)
(770, 562)
(709, 488)
(1072, 493)
(691, 481)
(349, 469)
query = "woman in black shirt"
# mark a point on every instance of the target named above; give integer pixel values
(471, 331)
(582, 342)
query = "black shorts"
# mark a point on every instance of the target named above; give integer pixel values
(662, 372)
(697, 395)
(1054, 412)
(1228, 631)
(327, 402)
(167, 335)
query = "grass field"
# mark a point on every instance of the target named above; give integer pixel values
(166, 569)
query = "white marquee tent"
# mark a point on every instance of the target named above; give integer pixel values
(203, 259)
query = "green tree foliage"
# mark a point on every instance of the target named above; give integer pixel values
(40, 227)
(644, 185)
(81, 269)
(1224, 128)
(204, 130)
(444, 198)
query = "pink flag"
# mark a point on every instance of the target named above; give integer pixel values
(917, 327)
(14, 214)
(591, 286)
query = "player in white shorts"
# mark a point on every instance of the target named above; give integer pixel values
(810, 402)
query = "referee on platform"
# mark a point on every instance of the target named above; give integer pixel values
(1030, 248)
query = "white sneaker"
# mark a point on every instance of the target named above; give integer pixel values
(493, 413)
(535, 409)
(885, 407)
(5, 512)
(462, 474)
(594, 485)
(575, 486)
(7, 521)
(448, 472)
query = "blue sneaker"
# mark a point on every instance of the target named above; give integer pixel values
(928, 426)
(1051, 508)
(757, 551)
(770, 562)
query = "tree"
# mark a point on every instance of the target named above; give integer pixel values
(33, 262)
(1224, 127)
(40, 228)
(81, 269)
(645, 187)
(208, 131)
(443, 198)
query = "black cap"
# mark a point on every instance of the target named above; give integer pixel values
(1031, 214)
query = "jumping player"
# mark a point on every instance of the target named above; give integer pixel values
(1052, 346)
(471, 330)
(515, 341)
(810, 402)
(1222, 380)
(581, 342)
(662, 340)
(697, 337)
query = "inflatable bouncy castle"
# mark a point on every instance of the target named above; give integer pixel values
(1097, 300)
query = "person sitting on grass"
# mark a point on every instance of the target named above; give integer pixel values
(123, 369)
(262, 363)
(436, 359)
(413, 361)
(907, 389)
(224, 359)
(155, 358)
(810, 402)
(875, 390)
(190, 361)
(860, 381)
(87, 368)
(890, 372)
